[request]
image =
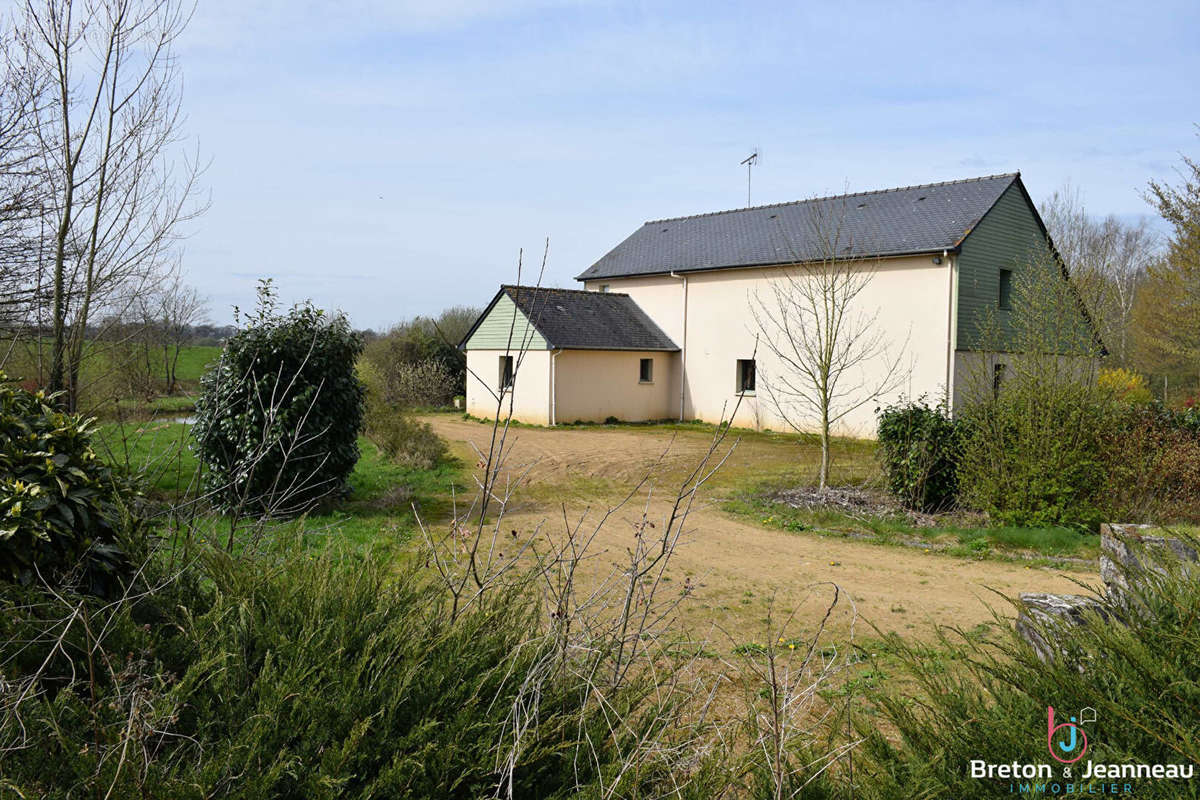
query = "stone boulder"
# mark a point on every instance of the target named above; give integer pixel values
(1042, 613)
(1126, 551)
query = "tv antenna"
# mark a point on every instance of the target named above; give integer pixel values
(749, 162)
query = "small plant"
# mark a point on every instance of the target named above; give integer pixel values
(406, 440)
(920, 447)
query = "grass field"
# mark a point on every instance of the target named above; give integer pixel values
(378, 509)
(102, 379)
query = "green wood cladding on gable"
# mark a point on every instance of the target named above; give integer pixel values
(1007, 238)
(493, 332)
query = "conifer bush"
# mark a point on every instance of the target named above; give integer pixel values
(986, 697)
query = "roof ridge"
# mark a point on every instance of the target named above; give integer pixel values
(557, 289)
(1016, 174)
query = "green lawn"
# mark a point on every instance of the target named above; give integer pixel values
(955, 535)
(378, 509)
(193, 360)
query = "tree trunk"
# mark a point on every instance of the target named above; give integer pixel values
(824, 476)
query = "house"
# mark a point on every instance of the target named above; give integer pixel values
(664, 326)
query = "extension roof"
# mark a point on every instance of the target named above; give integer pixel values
(573, 319)
(907, 221)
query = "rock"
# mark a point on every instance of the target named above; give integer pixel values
(1120, 547)
(1041, 613)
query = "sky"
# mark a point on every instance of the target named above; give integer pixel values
(393, 158)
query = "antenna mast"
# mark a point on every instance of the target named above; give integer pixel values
(749, 162)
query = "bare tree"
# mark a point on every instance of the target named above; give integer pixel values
(831, 357)
(21, 89)
(180, 308)
(107, 128)
(1107, 260)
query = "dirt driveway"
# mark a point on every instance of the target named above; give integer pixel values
(739, 568)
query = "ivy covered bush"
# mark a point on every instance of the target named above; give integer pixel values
(279, 413)
(61, 508)
(919, 445)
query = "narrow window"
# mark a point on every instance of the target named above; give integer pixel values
(646, 371)
(1005, 298)
(506, 373)
(745, 375)
(997, 378)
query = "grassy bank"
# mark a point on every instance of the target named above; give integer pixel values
(960, 535)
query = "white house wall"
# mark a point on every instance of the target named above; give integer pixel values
(594, 385)
(530, 395)
(911, 297)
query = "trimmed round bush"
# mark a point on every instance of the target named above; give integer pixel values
(61, 507)
(278, 418)
(919, 445)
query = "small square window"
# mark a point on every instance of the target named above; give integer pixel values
(745, 376)
(604, 287)
(506, 373)
(1005, 298)
(646, 371)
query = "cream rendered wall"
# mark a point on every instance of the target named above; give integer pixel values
(531, 385)
(593, 385)
(911, 296)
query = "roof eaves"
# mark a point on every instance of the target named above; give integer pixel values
(760, 265)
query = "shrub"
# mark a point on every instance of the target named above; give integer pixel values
(1033, 456)
(1152, 457)
(406, 440)
(294, 677)
(419, 384)
(279, 413)
(425, 340)
(988, 700)
(401, 438)
(1124, 385)
(60, 505)
(920, 445)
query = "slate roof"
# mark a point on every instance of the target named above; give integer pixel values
(909, 220)
(573, 319)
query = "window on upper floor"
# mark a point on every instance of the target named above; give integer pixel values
(1004, 300)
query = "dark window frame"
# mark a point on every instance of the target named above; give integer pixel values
(746, 376)
(646, 370)
(1004, 290)
(998, 371)
(507, 373)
